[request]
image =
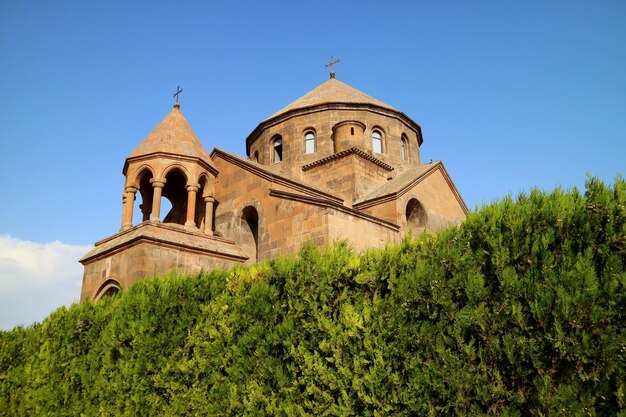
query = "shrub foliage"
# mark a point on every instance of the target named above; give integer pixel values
(519, 311)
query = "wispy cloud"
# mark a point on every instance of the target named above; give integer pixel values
(37, 278)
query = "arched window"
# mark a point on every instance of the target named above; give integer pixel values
(256, 156)
(377, 141)
(405, 151)
(278, 149)
(309, 142)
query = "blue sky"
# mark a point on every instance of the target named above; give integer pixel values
(510, 95)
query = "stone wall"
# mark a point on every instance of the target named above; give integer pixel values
(360, 233)
(284, 224)
(292, 131)
(150, 250)
(349, 177)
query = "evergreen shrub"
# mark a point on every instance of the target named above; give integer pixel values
(519, 311)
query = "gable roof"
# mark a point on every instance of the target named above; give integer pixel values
(403, 182)
(332, 91)
(304, 193)
(173, 136)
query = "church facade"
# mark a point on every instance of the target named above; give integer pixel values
(334, 164)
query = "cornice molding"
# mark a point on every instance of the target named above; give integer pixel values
(327, 204)
(176, 157)
(352, 151)
(124, 244)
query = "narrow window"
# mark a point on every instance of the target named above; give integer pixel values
(309, 142)
(256, 156)
(377, 141)
(404, 150)
(352, 131)
(278, 149)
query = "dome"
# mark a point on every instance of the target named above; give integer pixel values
(331, 91)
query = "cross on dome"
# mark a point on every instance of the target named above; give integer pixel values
(331, 64)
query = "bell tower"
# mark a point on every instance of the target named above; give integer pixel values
(170, 163)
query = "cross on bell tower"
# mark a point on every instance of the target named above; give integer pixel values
(177, 93)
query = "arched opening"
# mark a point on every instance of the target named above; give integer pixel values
(277, 145)
(109, 288)
(143, 209)
(416, 218)
(250, 232)
(255, 156)
(176, 193)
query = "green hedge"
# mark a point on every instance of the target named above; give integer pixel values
(520, 311)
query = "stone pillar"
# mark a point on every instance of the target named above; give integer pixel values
(156, 199)
(191, 206)
(208, 215)
(128, 202)
(146, 208)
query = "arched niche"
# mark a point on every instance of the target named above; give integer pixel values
(110, 287)
(250, 232)
(415, 216)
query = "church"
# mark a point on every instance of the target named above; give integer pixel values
(335, 164)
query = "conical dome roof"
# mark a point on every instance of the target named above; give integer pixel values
(173, 136)
(332, 91)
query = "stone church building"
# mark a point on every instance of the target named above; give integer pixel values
(334, 164)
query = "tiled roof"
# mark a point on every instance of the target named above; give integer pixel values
(398, 183)
(332, 91)
(174, 136)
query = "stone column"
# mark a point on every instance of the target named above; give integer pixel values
(208, 215)
(156, 199)
(145, 210)
(191, 206)
(128, 202)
